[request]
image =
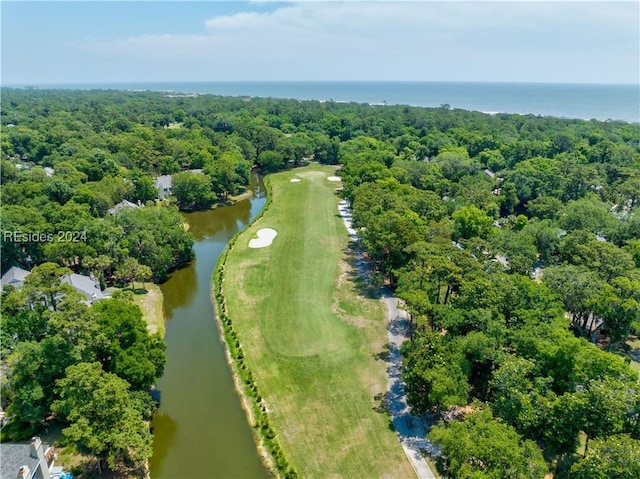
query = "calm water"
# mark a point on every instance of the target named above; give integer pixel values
(584, 101)
(200, 429)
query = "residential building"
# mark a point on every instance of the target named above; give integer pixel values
(25, 461)
(86, 285)
(15, 277)
(123, 204)
(163, 185)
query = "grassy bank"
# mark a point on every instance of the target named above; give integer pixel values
(309, 337)
(150, 300)
(150, 303)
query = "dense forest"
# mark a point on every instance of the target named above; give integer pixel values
(514, 241)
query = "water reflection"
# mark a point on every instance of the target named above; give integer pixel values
(225, 223)
(200, 420)
(166, 427)
(179, 289)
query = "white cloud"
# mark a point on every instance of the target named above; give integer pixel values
(398, 40)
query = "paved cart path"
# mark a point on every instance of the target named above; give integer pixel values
(411, 430)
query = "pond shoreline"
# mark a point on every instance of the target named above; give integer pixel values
(294, 314)
(250, 399)
(198, 392)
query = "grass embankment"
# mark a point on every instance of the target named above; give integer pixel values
(150, 303)
(634, 352)
(150, 300)
(309, 337)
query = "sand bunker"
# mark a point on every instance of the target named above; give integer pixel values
(264, 238)
(334, 178)
(295, 180)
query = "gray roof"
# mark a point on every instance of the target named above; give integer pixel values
(163, 181)
(502, 260)
(84, 284)
(122, 204)
(13, 457)
(15, 277)
(166, 181)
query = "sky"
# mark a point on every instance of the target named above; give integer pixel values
(66, 42)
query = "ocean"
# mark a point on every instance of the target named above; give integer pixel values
(582, 101)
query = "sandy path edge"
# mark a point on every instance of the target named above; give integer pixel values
(411, 430)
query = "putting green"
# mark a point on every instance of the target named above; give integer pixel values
(312, 174)
(310, 338)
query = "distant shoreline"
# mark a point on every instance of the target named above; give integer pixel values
(585, 101)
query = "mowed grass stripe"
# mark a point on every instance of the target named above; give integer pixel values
(314, 364)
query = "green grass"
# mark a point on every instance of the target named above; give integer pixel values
(310, 337)
(634, 345)
(150, 300)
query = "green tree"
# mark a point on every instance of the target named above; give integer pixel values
(508, 197)
(270, 161)
(618, 304)
(481, 447)
(455, 163)
(228, 173)
(43, 287)
(144, 189)
(433, 374)
(588, 213)
(562, 418)
(128, 350)
(192, 190)
(98, 264)
(578, 287)
(127, 270)
(75, 323)
(103, 417)
(28, 403)
(512, 393)
(608, 406)
(11, 252)
(154, 236)
(633, 248)
(616, 456)
(144, 273)
(470, 221)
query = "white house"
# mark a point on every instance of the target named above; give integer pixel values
(163, 185)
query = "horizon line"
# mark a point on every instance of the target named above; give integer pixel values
(122, 82)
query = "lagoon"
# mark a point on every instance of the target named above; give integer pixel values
(200, 429)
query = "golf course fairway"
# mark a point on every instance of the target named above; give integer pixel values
(310, 336)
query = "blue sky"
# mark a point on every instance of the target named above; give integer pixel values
(110, 41)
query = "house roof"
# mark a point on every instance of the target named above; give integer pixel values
(122, 204)
(15, 277)
(166, 181)
(84, 284)
(163, 181)
(13, 457)
(490, 173)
